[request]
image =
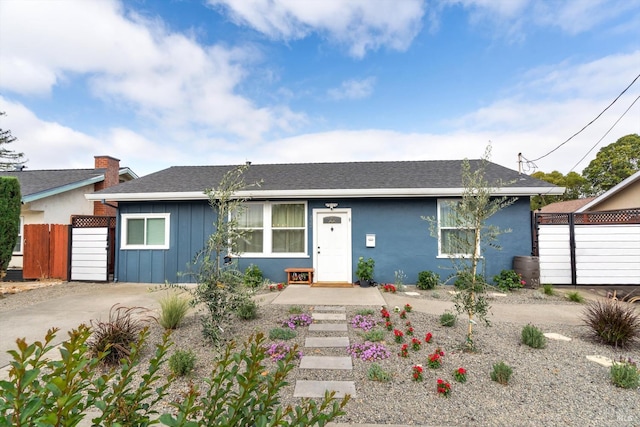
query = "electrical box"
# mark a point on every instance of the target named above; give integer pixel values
(370, 241)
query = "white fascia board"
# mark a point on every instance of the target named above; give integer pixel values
(613, 190)
(127, 171)
(317, 194)
(63, 189)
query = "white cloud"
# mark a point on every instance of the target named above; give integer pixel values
(353, 89)
(360, 25)
(132, 62)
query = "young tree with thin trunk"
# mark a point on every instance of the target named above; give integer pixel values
(470, 236)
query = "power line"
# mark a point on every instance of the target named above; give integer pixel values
(591, 122)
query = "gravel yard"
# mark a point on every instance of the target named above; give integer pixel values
(552, 386)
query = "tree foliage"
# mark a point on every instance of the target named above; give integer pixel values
(576, 187)
(613, 164)
(10, 199)
(8, 159)
(471, 213)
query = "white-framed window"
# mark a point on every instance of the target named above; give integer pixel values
(273, 229)
(455, 237)
(145, 231)
(17, 250)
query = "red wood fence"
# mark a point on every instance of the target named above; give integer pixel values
(46, 252)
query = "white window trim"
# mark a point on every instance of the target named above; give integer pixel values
(267, 241)
(124, 222)
(440, 253)
(21, 236)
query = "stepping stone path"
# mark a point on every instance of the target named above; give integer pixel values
(555, 336)
(327, 364)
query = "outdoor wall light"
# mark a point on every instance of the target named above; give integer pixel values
(331, 205)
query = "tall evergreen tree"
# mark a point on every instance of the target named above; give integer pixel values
(9, 159)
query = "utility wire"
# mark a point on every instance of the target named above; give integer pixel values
(591, 122)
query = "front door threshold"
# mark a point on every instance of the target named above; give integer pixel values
(332, 285)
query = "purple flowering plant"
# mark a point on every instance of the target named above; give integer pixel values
(278, 351)
(366, 323)
(368, 351)
(298, 320)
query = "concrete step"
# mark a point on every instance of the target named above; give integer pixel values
(318, 388)
(326, 342)
(328, 327)
(326, 362)
(329, 316)
(329, 308)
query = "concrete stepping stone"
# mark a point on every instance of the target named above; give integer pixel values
(601, 360)
(412, 294)
(328, 327)
(554, 336)
(329, 316)
(318, 388)
(329, 308)
(497, 294)
(326, 362)
(326, 342)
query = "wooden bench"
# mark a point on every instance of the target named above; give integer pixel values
(300, 275)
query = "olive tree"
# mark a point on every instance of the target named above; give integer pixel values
(468, 217)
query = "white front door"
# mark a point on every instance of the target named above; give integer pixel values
(332, 245)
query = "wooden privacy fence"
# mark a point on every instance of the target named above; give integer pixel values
(46, 252)
(595, 248)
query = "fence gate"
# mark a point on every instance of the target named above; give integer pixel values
(46, 251)
(92, 247)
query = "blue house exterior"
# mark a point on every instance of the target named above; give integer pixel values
(323, 216)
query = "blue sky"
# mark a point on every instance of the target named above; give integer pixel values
(189, 82)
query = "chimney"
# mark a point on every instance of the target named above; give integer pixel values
(111, 168)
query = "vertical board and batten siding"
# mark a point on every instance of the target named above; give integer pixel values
(89, 254)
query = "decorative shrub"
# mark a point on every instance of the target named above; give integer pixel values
(501, 373)
(253, 276)
(173, 309)
(547, 289)
(448, 319)
(10, 202)
(182, 362)
(625, 374)
(533, 337)
(508, 280)
(116, 335)
(247, 310)
(464, 282)
(376, 373)
(612, 322)
(295, 309)
(374, 335)
(427, 280)
(364, 269)
(575, 297)
(365, 311)
(282, 334)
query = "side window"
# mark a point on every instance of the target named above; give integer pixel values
(17, 250)
(455, 238)
(145, 231)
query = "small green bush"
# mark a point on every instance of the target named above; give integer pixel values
(464, 281)
(247, 310)
(625, 374)
(548, 289)
(374, 335)
(376, 373)
(253, 276)
(282, 334)
(448, 319)
(182, 362)
(295, 309)
(612, 322)
(501, 373)
(427, 280)
(533, 337)
(575, 297)
(173, 310)
(508, 280)
(365, 311)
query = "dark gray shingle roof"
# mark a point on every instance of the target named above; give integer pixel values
(326, 176)
(37, 181)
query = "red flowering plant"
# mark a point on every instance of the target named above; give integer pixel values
(427, 338)
(408, 308)
(389, 288)
(277, 286)
(417, 372)
(415, 344)
(435, 359)
(388, 325)
(399, 335)
(460, 375)
(404, 351)
(384, 313)
(443, 387)
(403, 314)
(410, 331)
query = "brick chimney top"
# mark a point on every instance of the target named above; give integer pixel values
(103, 162)
(111, 178)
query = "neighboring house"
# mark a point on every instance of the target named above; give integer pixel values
(593, 241)
(53, 196)
(320, 215)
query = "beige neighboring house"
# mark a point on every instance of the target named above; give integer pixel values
(53, 196)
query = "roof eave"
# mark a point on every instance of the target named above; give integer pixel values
(62, 189)
(613, 190)
(324, 193)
